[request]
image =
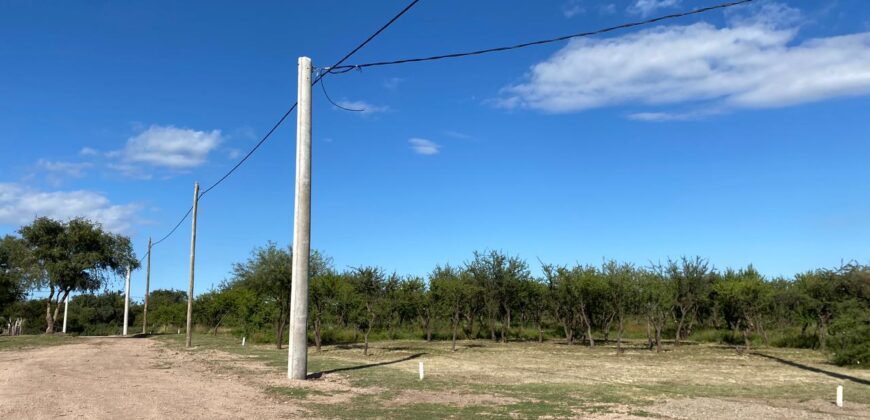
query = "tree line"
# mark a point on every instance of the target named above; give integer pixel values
(492, 295)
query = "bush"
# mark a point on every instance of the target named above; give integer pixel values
(850, 336)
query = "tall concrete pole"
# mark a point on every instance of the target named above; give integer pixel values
(127, 301)
(192, 265)
(65, 311)
(297, 362)
(147, 290)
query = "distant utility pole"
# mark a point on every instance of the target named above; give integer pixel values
(147, 289)
(297, 363)
(65, 311)
(127, 301)
(192, 264)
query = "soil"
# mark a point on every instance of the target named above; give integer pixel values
(111, 378)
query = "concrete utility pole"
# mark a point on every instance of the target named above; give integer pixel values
(192, 264)
(147, 290)
(127, 301)
(65, 311)
(297, 363)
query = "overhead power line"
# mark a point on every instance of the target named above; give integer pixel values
(349, 67)
(283, 118)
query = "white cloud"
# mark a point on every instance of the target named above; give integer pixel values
(20, 205)
(459, 135)
(88, 151)
(753, 63)
(607, 9)
(424, 147)
(170, 147)
(647, 7)
(393, 83)
(573, 8)
(70, 169)
(364, 108)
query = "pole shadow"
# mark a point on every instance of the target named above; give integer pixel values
(814, 369)
(320, 374)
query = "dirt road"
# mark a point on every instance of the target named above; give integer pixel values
(112, 378)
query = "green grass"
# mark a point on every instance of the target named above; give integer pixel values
(31, 341)
(529, 380)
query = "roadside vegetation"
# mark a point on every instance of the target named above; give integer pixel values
(492, 296)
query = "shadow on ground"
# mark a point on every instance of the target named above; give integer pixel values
(316, 375)
(813, 369)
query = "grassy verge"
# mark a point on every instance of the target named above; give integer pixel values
(528, 380)
(30, 341)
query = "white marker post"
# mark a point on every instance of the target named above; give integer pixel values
(243, 341)
(840, 396)
(127, 302)
(65, 311)
(421, 371)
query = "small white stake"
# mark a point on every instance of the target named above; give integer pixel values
(179, 331)
(421, 371)
(839, 395)
(243, 341)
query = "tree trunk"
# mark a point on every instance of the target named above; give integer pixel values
(746, 337)
(49, 320)
(658, 338)
(540, 332)
(366, 348)
(679, 328)
(317, 340)
(619, 329)
(763, 332)
(455, 327)
(279, 336)
(649, 335)
(823, 331)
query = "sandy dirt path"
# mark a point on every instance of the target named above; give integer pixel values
(112, 378)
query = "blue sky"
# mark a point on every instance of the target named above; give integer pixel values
(738, 136)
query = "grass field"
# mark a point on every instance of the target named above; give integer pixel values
(545, 380)
(30, 341)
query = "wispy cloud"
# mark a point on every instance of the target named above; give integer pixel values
(88, 151)
(573, 8)
(364, 107)
(424, 147)
(19, 205)
(459, 135)
(392, 83)
(753, 62)
(70, 169)
(647, 7)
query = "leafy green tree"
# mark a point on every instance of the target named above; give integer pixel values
(534, 295)
(12, 278)
(498, 276)
(692, 282)
(371, 286)
(450, 290)
(622, 294)
(744, 299)
(73, 256)
(167, 308)
(656, 301)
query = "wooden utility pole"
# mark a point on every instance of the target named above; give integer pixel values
(297, 362)
(126, 301)
(147, 289)
(192, 264)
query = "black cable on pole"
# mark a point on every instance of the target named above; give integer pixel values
(323, 87)
(344, 69)
(284, 117)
